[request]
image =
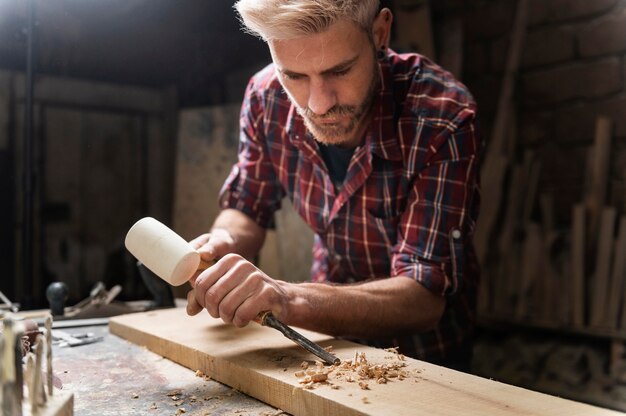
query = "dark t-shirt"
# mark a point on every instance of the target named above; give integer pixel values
(337, 160)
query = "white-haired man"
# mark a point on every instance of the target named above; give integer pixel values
(379, 154)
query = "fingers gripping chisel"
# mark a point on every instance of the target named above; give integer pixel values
(174, 260)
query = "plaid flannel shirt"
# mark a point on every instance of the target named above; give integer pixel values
(410, 185)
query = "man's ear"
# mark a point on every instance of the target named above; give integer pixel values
(381, 29)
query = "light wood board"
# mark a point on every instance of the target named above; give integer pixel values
(260, 362)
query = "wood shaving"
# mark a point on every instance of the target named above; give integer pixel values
(319, 377)
(199, 373)
(134, 395)
(176, 392)
(357, 370)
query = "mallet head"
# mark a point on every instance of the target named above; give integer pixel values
(163, 251)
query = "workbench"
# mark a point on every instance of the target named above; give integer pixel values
(115, 377)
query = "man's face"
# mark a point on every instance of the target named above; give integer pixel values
(331, 77)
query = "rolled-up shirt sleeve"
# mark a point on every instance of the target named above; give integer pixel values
(252, 186)
(442, 204)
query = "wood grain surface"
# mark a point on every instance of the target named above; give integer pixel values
(260, 362)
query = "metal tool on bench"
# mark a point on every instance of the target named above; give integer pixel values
(6, 303)
(65, 339)
(174, 260)
(100, 303)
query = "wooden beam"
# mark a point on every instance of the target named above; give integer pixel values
(600, 282)
(617, 284)
(260, 362)
(577, 261)
(496, 162)
(596, 187)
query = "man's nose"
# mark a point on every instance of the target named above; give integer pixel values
(322, 97)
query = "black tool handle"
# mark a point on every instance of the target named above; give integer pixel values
(268, 319)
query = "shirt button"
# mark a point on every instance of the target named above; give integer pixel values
(337, 257)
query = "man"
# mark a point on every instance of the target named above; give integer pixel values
(379, 154)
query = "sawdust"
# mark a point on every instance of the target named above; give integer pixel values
(358, 370)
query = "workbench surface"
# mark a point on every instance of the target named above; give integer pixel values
(115, 377)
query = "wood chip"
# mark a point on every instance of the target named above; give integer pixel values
(319, 377)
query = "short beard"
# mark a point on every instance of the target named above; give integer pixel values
(337, 134)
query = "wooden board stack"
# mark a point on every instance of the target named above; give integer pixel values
(566, 279)
(260, 362)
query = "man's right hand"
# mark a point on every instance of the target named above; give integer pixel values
(211, 246)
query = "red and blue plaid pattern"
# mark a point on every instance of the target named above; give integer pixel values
(409, 185)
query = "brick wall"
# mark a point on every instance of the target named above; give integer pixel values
(572, 70)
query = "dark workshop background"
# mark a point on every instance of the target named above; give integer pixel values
(117, 109)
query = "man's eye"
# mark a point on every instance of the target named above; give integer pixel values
(341, 73)
(292, 77)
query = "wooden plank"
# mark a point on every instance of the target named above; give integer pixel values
(596, 187)
(617, 284)
(577, 292)
(546, 205)
(495, 166)
(531, 261)
(260, 362)
(600, 282)
(513, 207)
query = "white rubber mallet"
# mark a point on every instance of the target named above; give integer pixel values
(163, 251)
